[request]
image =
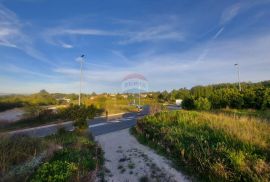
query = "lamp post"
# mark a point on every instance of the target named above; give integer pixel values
(81, 61)
(238, 74)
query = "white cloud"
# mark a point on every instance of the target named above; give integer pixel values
(156, 33)
(230, 13)
(168, 71)
(12, 35)
(11, 68)
(65, 45)
(128, 36)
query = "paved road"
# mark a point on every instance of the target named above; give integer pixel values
(115, 124)
(97, 126)
(103, 127)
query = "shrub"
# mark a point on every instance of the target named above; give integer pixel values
(83, 158)
(202, 104)
(266, 100)
(80, 114)
(57, 171)
(188, 103)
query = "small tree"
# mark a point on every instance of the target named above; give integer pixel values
(202, 104)
(80, 114)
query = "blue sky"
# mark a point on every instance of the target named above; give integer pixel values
(173, 43)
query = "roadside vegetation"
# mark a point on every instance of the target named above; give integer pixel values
(12, 101)
(42, 116)
(261, 114)
(216, 147)
(116, 103)
(65, 156)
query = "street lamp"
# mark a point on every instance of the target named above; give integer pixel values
(238, 73)
(81, 61)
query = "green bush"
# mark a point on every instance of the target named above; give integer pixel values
(202, 104)
(57, 171)
(80, 114)
(188, 103)
(266, 100)
(83, 158)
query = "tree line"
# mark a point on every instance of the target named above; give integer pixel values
(218, 96)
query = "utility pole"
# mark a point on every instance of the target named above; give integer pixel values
(139, 93)
(81, 61)
(238, 74)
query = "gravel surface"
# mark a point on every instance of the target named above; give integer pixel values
(127, 160)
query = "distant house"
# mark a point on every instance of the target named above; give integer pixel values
(64, 99)
(178, 102)
(67, 100)
(124, 96)
(144, 95)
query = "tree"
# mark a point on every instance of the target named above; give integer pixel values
(266, 100)
(43, 91)
(202, 104)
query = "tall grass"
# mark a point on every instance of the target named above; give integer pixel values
(49, 159)
(217, 147)
(16, 150)
(261, 114)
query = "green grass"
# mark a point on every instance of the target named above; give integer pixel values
(212, 147)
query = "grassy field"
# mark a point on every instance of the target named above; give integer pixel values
(261, 114)
(213, 147)
(66, 156)
(116, 104)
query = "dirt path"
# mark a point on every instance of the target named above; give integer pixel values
(128, 160)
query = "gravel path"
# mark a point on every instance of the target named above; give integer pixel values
(127, 160)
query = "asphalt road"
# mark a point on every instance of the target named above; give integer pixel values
(103, 127)
(115, 124)
(97, 126)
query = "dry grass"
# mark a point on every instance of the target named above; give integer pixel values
(247, 129)
(215, 146)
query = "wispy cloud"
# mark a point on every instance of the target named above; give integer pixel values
(79, 31)
(65, 45)
(125, 36)
(156, 33)
(9, 27)
(230, 13)
(55, 35)
(11, 68)
(218, 67)
(12, 35)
